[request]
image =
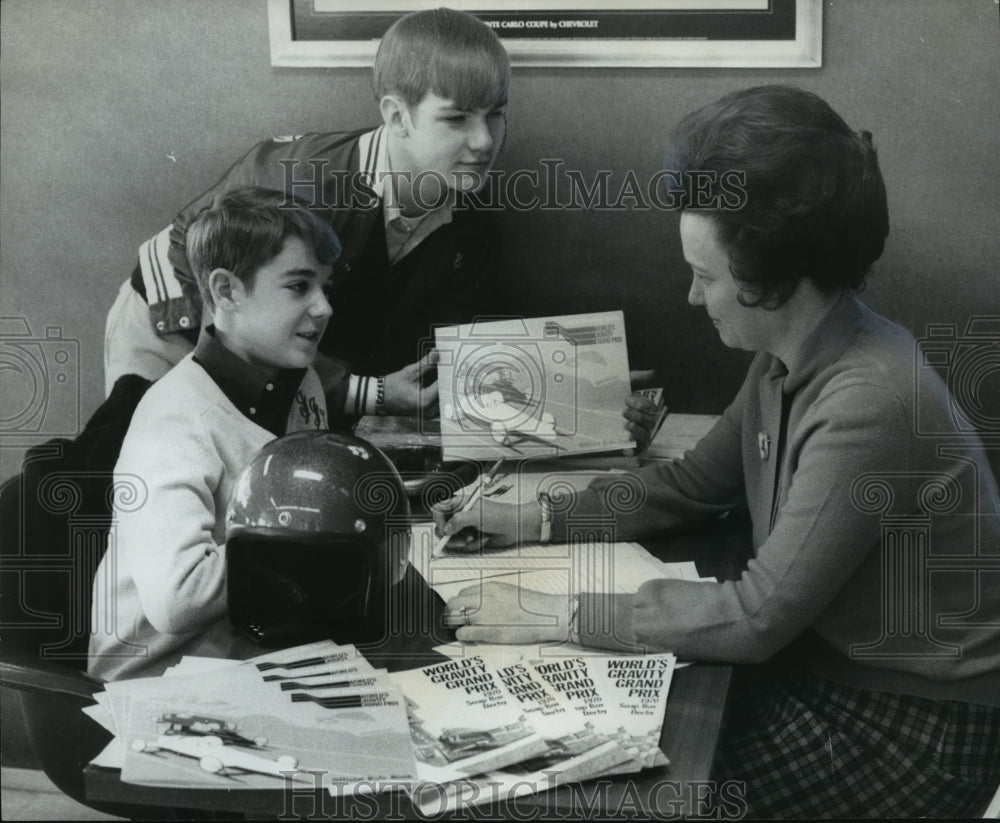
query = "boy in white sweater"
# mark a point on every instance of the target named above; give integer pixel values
(263, 266)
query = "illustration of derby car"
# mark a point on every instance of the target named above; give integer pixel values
(511, 415)
(462, 742)
(215, 744)
(198, 726)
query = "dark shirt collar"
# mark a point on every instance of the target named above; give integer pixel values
(263, 395)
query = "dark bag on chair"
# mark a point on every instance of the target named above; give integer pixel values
(54, 522)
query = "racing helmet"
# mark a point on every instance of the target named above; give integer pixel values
(317, 535)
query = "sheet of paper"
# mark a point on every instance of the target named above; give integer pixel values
(613, 568)
(624, 697)
(190, 664)
(111, 756)
(100, 714)
(532, 387)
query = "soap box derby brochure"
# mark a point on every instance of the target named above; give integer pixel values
(535, 387)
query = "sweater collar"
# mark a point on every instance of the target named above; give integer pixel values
(263, 395)
(825, 344)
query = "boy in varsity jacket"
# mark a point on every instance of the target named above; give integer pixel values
(415, 253)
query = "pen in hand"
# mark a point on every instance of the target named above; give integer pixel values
(484, 482)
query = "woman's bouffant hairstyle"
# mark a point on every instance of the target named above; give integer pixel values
(244, 228)
(811, 202)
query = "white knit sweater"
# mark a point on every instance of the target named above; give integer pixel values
(160, 590)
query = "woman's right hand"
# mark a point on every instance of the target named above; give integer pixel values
(487, 523)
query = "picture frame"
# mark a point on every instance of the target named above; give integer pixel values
(569, 33)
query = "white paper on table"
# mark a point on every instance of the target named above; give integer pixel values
(111, 756)
(100, 714)
(103, 699)
(192, 664)
(686, 570)
(553, 568)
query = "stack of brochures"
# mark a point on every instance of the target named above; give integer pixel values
(594, 715)
(315, 710)
(485, 726)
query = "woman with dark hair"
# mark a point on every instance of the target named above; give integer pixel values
(881, 690)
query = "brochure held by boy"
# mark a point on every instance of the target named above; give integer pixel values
(545, 386)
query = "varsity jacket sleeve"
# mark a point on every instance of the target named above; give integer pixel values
(154, 325)
(157, 316)
(817, 542)
(299, 164)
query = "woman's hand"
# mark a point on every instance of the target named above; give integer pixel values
(641, 416)
(502, 613)
(488, 523)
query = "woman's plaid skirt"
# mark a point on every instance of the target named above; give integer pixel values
(808, 748)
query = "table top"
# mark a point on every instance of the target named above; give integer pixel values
(692, 724)
(691, 727)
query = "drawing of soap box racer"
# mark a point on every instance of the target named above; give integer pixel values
(462, 742)
(540, 381)
(216, 745)
(191, 725)
(510, 414)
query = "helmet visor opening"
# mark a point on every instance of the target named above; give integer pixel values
(284, 592)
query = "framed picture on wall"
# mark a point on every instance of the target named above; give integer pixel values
(632, 33)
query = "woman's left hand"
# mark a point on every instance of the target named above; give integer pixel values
(503, 613)
(641, 415)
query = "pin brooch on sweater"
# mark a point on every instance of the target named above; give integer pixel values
(763, 444)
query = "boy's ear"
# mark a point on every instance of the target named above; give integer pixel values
(395, 113)
(226, 289)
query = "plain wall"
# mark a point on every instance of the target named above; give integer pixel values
(116, 112)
